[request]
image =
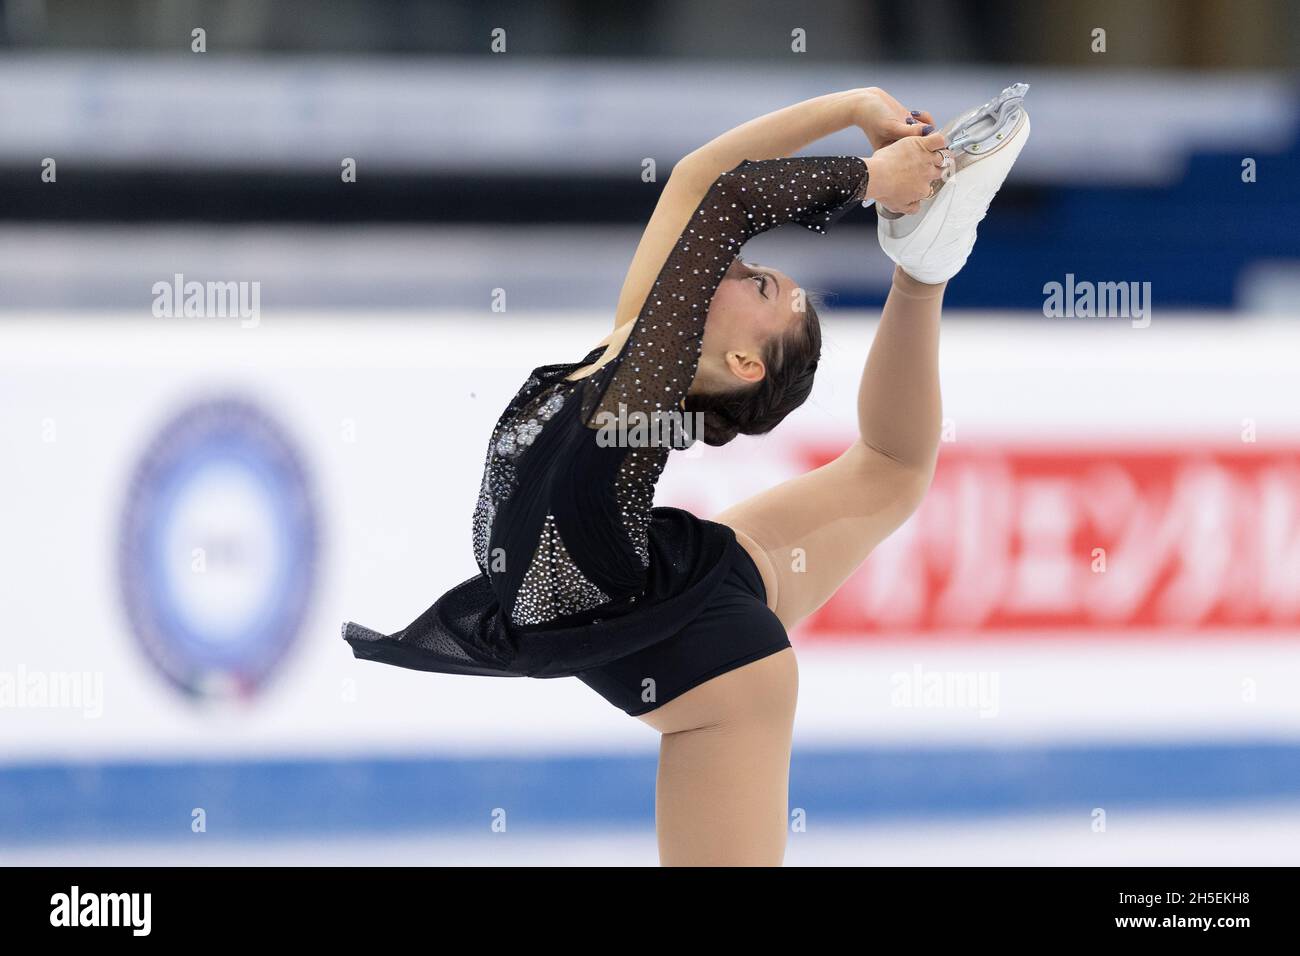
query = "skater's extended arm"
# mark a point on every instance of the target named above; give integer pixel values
(658, 361)
(897, 176)
(773, 135)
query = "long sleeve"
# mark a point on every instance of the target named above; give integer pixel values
(574, 517)
(658, 362)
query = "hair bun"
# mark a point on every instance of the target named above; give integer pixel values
(791, 368)
(719, 428)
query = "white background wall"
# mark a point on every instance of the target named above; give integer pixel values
(395, 504)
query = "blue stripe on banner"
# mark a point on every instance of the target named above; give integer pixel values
(249, 798)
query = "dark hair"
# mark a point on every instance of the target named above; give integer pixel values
(791, 362)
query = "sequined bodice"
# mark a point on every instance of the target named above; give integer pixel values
(563, 514)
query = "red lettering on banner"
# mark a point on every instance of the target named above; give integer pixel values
(1106, 538)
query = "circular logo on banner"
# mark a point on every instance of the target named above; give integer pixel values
(217, 550)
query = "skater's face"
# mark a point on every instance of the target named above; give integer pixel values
(754, 307)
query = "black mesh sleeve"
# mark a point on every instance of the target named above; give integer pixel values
(658, 363)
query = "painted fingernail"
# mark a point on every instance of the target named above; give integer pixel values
(909, 121)
(927, 130)
(916, 112)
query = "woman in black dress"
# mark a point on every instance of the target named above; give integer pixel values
(677, 620)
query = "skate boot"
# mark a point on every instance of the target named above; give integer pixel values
(932, 244)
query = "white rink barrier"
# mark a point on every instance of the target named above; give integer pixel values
(192, 508)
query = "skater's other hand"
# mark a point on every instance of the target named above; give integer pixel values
(885, 120)
(900, 175)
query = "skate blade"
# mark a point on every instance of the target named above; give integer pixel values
(977, 133)
(988, 128)
(981, 132)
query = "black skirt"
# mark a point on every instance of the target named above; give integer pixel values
(465, 632)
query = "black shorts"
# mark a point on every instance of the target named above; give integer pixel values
(735, 629)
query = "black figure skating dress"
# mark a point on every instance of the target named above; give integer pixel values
(577, 567)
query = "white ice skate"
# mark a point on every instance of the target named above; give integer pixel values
(933, 243)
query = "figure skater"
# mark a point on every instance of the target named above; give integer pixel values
(677, 620)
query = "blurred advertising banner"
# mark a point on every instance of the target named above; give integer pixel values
(200, 502)
(1105, 538)
(588, 116)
